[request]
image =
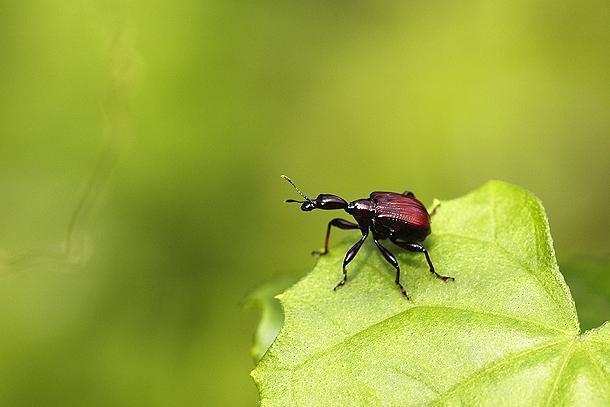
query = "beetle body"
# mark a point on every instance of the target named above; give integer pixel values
(401, 218)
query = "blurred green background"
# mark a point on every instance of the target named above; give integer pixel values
(141, 145)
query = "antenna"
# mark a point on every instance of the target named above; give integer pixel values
(298, 190)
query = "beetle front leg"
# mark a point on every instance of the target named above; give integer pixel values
(392, 260)
(349, 256)
(416, 247)
(338, 223)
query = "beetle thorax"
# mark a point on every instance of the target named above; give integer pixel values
(361, 208)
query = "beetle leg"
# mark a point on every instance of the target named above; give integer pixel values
(416, 247)
(339, 223)
(433, 211)
(349, 256)
(409, 194)
(392, 260)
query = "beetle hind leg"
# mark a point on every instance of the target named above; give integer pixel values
(434, 209)
(416, 247)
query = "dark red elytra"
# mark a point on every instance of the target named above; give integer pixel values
(402, 218)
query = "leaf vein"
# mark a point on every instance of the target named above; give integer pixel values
(566, 359)
(410, 375)
(511, 257)
(598, 368)
(493, 316)
(497, 363)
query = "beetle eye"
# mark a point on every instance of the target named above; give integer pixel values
(308, 206)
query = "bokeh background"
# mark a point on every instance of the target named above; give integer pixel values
(141, 144)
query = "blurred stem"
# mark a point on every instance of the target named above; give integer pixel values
(124, 68)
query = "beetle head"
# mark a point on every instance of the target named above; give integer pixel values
(306, 206)
(323, 201)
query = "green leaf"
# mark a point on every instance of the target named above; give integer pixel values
(272, 317)
(504, 333)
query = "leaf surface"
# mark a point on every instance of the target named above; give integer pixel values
(504, 333)
(272, 317)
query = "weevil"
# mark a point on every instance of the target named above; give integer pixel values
(402, 218)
